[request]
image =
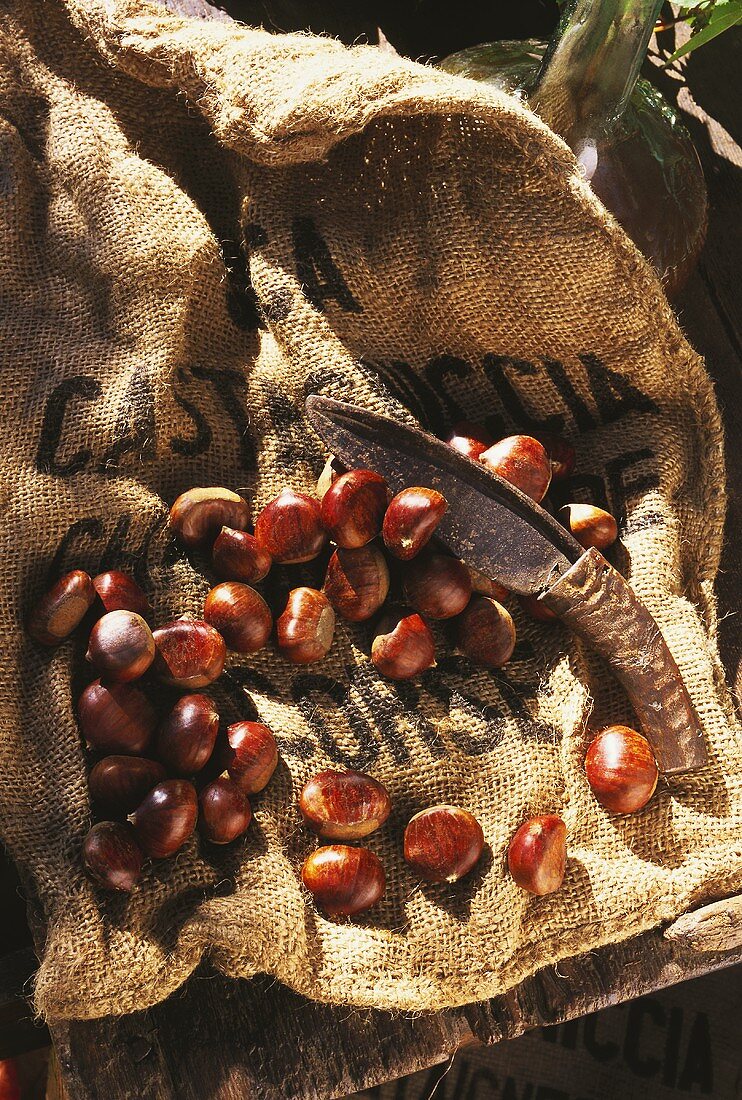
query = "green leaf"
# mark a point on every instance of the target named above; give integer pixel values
(725, 14)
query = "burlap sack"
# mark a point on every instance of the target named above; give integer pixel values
(412, 238)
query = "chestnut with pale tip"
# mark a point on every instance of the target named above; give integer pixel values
(166, 818)
(437, 585)
(443, 843)
(306, 628)
(121, 646)
(485, 632)
(591, 526)
(290, 528)
(241, 616)
(225, 812)
(404, 646)
(112, 856)
(523, 462)
(186, 737)
(117, 784)
(469, 439)
(621, 769)
(117, 591)
(344, 805)
(198, 515)
(252, 755)
(411, 519)
(116, 718)
(537, 854)
(238, 556)
(189, 653)
(357, 582)
(61, 609)
(344, 881)
(353, 508)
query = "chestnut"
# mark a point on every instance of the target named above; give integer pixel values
(537, 609)
(485, 586)
(121, 646)
(621, 769)
(112, 857)
(305, 629)
(331, 471)
(290, 528)
(344, 880)
(485, 632)
(591, 526)
(353, 508)
(225, 811)
(189, 653)
(238, 556)
(469, 439)
(344, 805)
(522, 461)
(62, 608)
(403, 647)
(443, 843)
(411, 519)
(116, 718)
(186, 738)
(437, 585)
(198, 515)
(537, 854)
(252, 756)
(118, 591)
(357, 582)
(561, 454)
(241, 616)
(166, 818)
(118, 784)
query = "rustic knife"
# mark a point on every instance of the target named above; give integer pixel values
(499, 530)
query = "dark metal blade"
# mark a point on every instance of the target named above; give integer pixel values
(489, 524)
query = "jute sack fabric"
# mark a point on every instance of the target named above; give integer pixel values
(416, 242)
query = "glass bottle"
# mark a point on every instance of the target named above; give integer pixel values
(630, 143)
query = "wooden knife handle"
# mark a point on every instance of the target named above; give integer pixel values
(596, 602)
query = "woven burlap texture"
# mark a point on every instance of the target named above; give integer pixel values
(414, 241)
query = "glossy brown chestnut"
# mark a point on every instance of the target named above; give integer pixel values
(357, 582)
(190, 653)
(112, 857)
(469, 439)
(437, 585)
(225, 811)
(485, 632)
(411, 519)
(198, 515)
(443, 843)
(353, 508)
(118, 784)
(61, 609)
(241, 616)
(252, 756)
(166, 817)
(116, 718)
(344, 805)
(238, 556)
(305, 629)
(561, 454)
(537, 854)
(185, 740)
(590, 526)
(290, 528)
(121, 646)
(485, 586)
(331, 471)
(621, 769)
(403, 647)
(344, 880)
(118, 591)
(537, 610)
(523, 461)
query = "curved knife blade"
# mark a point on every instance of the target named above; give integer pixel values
(489, 523)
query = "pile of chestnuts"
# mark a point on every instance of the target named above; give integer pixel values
(156, 779)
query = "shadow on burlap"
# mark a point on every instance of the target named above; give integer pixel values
(414, 241)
